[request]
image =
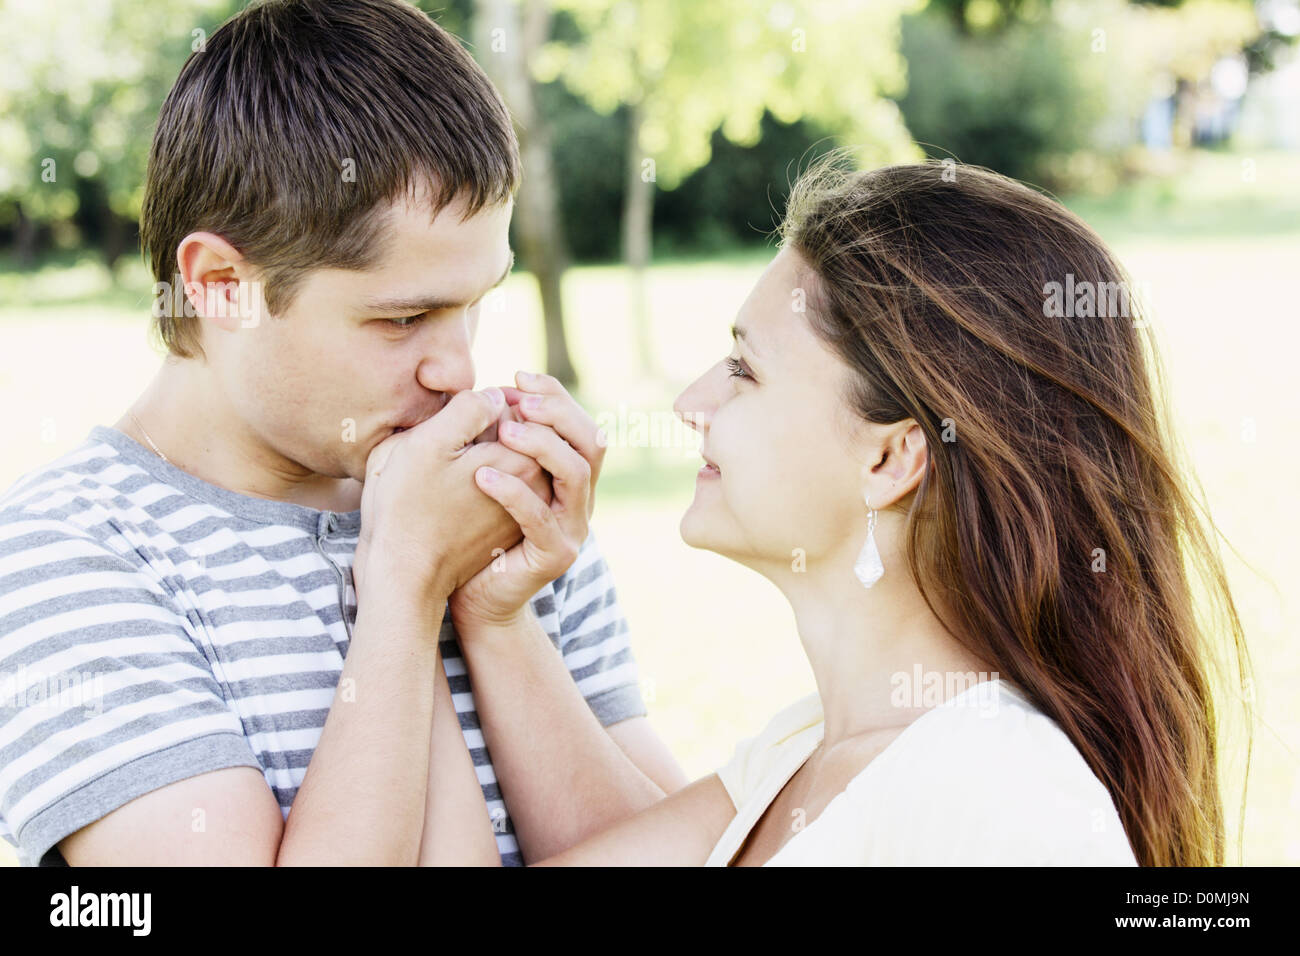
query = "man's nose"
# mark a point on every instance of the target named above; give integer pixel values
(448, 364)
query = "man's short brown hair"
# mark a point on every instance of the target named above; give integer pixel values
(298, 122)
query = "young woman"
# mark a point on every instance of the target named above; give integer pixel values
(938, 434)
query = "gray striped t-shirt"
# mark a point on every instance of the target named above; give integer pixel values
(154, 626)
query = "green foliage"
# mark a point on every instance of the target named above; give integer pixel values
(733, 200)
(1008, 100)
(588, 156)
(738, 198)
(699, 67)
(1063, 85)
(79, 97)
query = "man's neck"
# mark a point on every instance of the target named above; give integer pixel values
(184, 414)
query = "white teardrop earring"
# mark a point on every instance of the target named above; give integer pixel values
(868, 567)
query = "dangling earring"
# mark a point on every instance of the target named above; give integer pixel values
(868, 567)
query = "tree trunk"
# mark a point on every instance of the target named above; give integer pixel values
(504, 56)
(638, 215)
(24, 239)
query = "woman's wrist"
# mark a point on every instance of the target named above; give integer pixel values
(474, 622)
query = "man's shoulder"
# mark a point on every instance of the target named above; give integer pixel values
(91, 471)
(73, 516)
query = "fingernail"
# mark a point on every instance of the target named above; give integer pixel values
(531, 403)
(512, 429)
(495, 395)
(488, 475)
(527, 377)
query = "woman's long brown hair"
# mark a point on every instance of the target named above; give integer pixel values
(1055, 532)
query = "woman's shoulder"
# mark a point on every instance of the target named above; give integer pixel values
(988, 778)
(793, 731)
(983, 779)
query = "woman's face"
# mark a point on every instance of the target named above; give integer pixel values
(772, 418)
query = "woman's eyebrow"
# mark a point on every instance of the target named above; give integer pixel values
(742, 335)
(434, 304)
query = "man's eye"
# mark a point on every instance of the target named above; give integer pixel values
(402, 323)
(737, 370)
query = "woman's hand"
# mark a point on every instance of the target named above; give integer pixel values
(563, 439)
(543, 400)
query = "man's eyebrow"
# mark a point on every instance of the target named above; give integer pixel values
(428, 305)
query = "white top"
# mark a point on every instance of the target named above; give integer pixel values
(984, 778)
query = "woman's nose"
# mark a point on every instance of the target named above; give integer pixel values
(693, 406)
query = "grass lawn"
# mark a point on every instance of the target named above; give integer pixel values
(1216, 251)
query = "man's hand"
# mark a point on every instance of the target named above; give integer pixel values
(421, 512)
(563, 439)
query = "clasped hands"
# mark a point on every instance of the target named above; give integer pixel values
(484, 503)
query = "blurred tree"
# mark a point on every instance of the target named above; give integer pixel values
(738, 197)
(1042, 88)
(77, 106)
(683, 69)
(505, 42)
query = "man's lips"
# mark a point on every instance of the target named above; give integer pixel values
(513, 395)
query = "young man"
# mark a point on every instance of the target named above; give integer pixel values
(225, 621)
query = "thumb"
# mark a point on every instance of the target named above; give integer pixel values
(466, 416)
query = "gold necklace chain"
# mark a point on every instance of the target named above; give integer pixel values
(146, 436)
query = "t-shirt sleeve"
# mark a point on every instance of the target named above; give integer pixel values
(591, 633)
(105, 694)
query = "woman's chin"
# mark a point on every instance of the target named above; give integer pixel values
(694, 531)
(688, 528)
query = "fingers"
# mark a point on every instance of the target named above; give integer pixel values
(503, 458)
(535, 518)
(465, 417)
(570, 471)
(547, 402)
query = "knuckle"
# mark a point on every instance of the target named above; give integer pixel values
(539, 511)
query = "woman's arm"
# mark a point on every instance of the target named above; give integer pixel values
(562, 774)
(457, 829)
(680, 830)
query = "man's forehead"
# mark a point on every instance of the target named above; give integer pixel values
(434, 290)
(447, 256)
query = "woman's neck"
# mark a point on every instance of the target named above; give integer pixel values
(869, 649)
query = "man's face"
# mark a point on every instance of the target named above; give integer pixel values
(360, 354)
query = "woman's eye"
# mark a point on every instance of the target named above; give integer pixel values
(402, 322)
(737, 370)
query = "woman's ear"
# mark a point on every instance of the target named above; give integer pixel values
(898, 464)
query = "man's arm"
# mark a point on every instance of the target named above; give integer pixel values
(562, 774)
(457, 828)
(647, 750)
(363, 798)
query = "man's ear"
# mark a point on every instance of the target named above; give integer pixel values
(897, 465)
(217, 280)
